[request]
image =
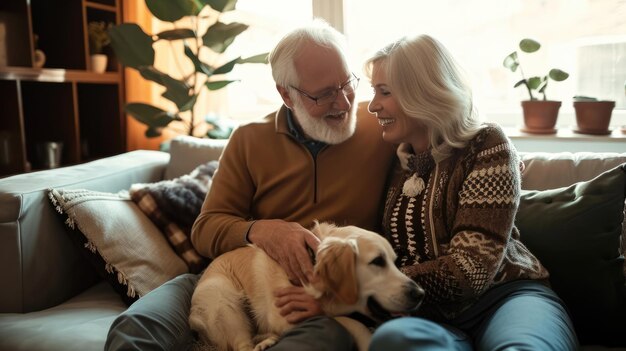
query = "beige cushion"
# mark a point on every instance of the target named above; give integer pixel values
(134, 252)
(186, 153)
(554, 170)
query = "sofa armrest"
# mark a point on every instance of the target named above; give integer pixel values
(39, 265)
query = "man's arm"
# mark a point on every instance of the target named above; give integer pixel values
(225, 217)
(226, 221)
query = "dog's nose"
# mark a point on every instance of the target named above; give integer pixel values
(415, 293)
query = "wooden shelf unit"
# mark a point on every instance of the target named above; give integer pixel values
(64, 101)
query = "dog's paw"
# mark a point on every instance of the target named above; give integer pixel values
(267, 343)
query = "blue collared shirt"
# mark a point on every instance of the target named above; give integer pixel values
(313, 146)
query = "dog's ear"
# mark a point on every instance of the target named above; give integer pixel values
(336, 269)
(322, 230)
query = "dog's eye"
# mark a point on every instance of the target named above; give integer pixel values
(378, 261)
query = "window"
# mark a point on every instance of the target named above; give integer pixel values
(586, 38)
(256, 95)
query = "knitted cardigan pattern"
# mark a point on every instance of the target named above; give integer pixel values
(457, 237)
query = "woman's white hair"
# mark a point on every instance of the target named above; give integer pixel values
(283, 55)
(429, 86)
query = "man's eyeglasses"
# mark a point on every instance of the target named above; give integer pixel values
(328, 97)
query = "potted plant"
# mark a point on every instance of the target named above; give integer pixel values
(539, 115)
(201, 34)
(592, 115)
(98, 39)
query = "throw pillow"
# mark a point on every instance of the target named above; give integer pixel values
(575, 232)
(120, 241)
(174, 205)
(187, 152)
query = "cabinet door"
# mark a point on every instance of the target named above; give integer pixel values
(12, 156)
(49, 117)
(101, 121)
(15, 40)
(59, 27)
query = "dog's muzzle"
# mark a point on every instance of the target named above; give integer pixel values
(413, 297)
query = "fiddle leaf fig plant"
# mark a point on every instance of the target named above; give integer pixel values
(537, 83)
(135, 49)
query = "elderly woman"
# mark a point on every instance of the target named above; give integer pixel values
(449, 214)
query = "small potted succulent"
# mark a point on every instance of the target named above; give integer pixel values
(592, 115)
(98, 39)
(539, 114)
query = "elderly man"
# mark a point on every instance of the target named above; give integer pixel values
(312, 159)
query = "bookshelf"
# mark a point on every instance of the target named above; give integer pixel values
(63, 101)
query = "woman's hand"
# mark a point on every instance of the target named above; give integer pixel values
(296, 305)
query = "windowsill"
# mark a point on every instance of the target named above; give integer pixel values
(568, 134)
(566, 140)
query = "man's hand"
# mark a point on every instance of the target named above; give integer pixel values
(286, 243)
(296, 305)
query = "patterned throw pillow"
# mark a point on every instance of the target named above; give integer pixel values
(174, 205)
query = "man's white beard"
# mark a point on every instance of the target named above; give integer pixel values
(319, 129)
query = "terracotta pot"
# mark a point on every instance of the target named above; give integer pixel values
(540, 116)
(593, 117)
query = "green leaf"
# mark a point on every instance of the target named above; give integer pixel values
(227, 67)
(511, 62)
(534, 82)
(177, 91)
(219, 36)
(584, 98)
(200, 66)
(173, 10)
(163, 79)
(184, 102)
(542, 87)
(529, 45)
(153, 132)
(260, 58)
(218, 84)
(190, 104)
(221, 5)
(150, 115)
(176, 34)
(132, 46)
(523, 81)
(558, 75)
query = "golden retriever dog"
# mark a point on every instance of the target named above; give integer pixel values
(234, 299)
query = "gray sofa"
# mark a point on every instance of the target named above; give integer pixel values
(52, 299)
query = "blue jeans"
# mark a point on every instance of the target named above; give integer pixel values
(521, 315)
(159, 321)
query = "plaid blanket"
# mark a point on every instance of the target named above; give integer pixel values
(173, 206)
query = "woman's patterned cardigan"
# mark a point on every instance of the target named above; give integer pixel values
(457, 238)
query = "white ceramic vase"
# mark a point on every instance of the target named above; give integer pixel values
(98, 63)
